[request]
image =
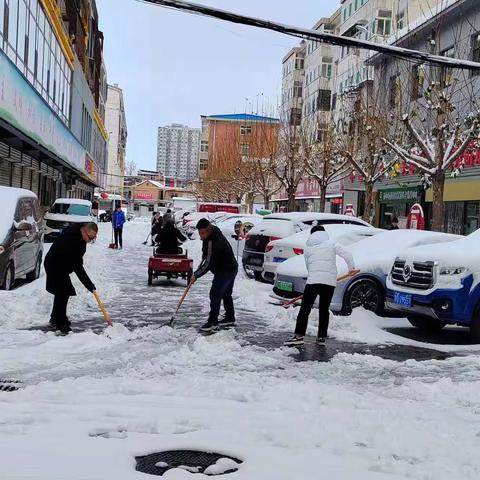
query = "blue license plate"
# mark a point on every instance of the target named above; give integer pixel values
(278, 259)
(403, 299)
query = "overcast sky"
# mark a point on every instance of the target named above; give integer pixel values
(174, 67)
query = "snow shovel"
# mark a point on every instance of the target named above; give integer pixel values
(112, 244)
(146, 241)
(102, 308)
(172, 320)
(339, 279)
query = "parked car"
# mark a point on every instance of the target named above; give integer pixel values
(278, 251)
(438, 286)
(64, 212)
(281, 225)
(227, 226)
(373, 257)
(21, 236)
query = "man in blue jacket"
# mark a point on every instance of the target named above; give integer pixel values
(118, 219)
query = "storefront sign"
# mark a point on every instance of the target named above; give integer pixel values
(22, 107)
(309, 188)
(400, 195)
(143, 196)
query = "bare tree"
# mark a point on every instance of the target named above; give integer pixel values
(326, 163)
(437, 109)
(131, 168)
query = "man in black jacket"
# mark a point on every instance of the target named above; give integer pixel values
(65, 257)
(218, 258)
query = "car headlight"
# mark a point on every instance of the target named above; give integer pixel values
(2, 249)
(452, 270)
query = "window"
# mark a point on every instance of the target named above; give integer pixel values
(324, 100)
(418, 81)
(350, 10)
(299, 63)
(326, 68)
(246, 129)
(446, 72)
(476, 51)
(297, 91)
(384, 27)
(295, 116)
(357, 2)
(394, 91)
(204, 146)
(244, 149)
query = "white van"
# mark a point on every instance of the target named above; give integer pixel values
(64, 212)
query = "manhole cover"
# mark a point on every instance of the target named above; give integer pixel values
(208, 463)
(7, 385)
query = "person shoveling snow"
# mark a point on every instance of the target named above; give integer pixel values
(65, 257)
(322, 279)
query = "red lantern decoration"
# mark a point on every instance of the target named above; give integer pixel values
(104, 195)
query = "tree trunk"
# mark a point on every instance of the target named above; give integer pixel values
(323, 198)
(249, 198)
(266, 202)
(368, 202)
(438, 206)
(291, 204)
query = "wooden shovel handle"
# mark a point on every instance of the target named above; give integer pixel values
(339, 279)
(189, 286)
(102, 308)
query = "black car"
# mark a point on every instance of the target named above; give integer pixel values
(21, 236)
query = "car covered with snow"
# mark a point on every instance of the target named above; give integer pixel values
(21, 236)
(65, 212)
(278, 251)
(227, 224)
(373, 257)
(281, 225)
(436, 286)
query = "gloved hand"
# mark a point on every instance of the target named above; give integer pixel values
(91, 288)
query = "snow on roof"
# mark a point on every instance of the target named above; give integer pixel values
(243, 117)
(78, 201)
(8, 201)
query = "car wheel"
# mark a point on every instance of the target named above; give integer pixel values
(475, 325)
(9, 278)
(248, 272)
(35, 273)
(365, 293)
(258, 276)
(425, 324)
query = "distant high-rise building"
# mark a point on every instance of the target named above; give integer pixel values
(177, 152)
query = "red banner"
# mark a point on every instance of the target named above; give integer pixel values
(143, 196)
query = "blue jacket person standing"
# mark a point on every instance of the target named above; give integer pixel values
(218, 258)
(118, 219)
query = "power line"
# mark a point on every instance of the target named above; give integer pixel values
(323, 37)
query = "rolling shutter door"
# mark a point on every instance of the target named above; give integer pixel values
(35, 182)
(5, 173)
(27, 178)
(16, 175)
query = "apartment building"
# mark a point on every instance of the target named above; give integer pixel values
(293, 81)
(52, 134)
(177, 153)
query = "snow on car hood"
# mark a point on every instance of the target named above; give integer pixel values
(460, 252)
(376, 253)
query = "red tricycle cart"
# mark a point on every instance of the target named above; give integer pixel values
(170, 266)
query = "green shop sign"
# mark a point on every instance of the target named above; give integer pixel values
(399, 195)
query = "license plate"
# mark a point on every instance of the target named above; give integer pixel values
(278, 259)
(403, 299)
(285, 286)
(255, 261)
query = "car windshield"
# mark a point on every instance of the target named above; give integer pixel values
(71, 209)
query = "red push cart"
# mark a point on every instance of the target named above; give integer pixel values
(170, 266)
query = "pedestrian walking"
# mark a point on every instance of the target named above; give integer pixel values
(118, 220)
(218, 258)
(65, 257)
(320, 257)
(394, 224)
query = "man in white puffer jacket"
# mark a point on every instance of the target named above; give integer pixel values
(320, 257)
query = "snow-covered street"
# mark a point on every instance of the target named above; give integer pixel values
(97, 398)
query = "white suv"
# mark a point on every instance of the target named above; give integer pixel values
(64, 212)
